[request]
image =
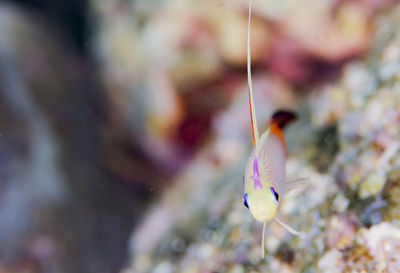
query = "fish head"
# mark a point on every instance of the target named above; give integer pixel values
(263, 203)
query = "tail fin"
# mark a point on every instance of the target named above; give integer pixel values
(282, 118)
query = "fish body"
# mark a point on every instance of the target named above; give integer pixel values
(265, 178)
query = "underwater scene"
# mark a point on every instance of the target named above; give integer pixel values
(212, 136)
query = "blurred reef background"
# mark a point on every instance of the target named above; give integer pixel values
(125, 130)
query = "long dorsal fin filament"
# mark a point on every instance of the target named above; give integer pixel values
(254, 128)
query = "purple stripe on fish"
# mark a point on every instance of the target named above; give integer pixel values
(256, 175)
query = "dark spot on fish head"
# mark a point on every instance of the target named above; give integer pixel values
(276, 195)
(246, 204)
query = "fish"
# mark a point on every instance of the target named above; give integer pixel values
(265, 174)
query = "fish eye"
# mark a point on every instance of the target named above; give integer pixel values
(245, 201)
(275, 194)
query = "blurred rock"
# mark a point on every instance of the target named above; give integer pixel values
(59, 210)
(169, 67)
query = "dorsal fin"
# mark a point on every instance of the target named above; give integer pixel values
(282, 118)
(276, 130)
(278, 121)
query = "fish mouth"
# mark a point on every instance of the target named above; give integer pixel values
(264, 215)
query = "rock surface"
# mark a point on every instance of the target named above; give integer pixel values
(346, 143)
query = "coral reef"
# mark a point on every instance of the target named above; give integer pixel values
(346, 143)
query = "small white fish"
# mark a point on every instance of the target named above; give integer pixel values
(265, 178)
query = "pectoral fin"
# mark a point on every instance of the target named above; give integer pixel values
(294, 184)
